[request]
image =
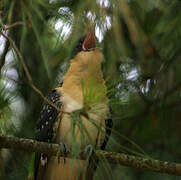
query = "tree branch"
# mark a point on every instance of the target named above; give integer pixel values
(28, 73)
(6, 27)
(112, 157)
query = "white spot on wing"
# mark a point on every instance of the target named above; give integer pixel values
(43, 161)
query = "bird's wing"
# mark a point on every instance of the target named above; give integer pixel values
(46, 130)
(108, 129)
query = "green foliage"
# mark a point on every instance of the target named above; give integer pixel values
(140, 41)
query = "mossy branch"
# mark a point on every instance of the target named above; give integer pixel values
(30, 145)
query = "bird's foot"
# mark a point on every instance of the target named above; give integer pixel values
(63, 150)
(89, 151)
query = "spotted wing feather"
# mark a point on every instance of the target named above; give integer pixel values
(46, 129)
(109, 125)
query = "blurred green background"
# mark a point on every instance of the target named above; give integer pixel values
(141, 43)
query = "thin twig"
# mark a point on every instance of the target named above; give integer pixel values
(30, 145)
(24, 65)
(7, 44)
(6, 27)
(28, 74)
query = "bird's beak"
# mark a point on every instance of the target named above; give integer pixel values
(90, 41)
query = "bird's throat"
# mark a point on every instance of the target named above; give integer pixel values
(84, 78)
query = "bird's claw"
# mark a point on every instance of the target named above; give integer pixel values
(89, 151)
(64, 150)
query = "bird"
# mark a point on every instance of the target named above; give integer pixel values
(84, 116)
